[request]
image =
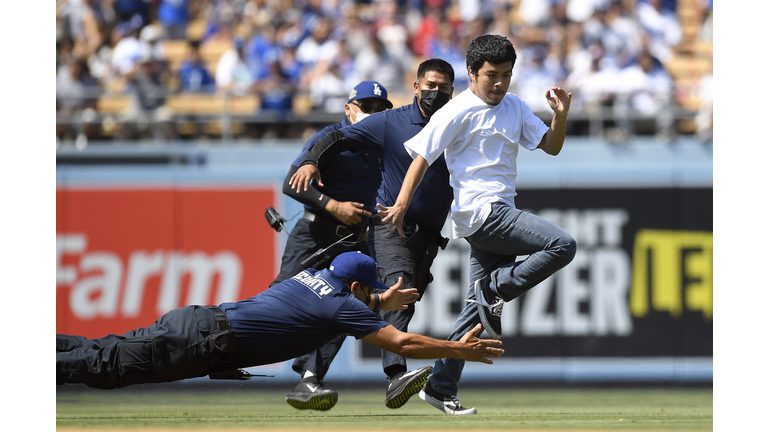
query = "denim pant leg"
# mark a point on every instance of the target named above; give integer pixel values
(494, 248)
(510, 232)
(447, 371)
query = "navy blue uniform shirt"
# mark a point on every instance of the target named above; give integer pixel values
(389, 130)
(297, 316)
(347, 176)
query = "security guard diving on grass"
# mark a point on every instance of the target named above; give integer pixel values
(285, 321)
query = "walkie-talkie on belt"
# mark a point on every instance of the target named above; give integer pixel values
(319, 258)
(276, 221)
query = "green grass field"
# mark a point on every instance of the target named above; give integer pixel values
(240, 406)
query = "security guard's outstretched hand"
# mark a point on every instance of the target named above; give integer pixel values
(479, 349)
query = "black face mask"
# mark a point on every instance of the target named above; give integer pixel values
(433, 100)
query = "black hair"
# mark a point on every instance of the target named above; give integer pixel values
(436, 65)
(349, 282)
(495, 49)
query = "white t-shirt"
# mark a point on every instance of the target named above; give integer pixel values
(232, 70)
(480, 143)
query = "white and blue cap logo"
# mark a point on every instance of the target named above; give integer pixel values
(357, 266)
(368, 90)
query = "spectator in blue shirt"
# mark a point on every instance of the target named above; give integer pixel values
(194, 75)
(276, 85)
(174, 17)
(408, 258)
(284, 321)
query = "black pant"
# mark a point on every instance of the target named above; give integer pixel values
(319, 360)
(409, 258)
(174, 348)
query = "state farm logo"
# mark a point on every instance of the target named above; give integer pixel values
(106, 285)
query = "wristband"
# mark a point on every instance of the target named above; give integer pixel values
(376, 302)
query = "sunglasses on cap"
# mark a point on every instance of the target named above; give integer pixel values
(369, 107)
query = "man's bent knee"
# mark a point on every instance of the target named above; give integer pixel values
(567, 249)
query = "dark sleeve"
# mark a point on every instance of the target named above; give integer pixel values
(331, 144)
(311, 197)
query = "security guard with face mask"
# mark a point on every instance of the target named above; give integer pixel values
(410, 257)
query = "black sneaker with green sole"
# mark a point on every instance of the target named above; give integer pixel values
(404, 385)
(310, 394)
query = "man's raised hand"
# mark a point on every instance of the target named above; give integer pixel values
(306, 173)
(396, 299)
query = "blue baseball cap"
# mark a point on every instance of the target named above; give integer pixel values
(367, 90)
(357, 266)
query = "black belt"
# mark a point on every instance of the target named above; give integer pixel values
(442, 242)
(376, 220)
(222, 341)
(222, 322)
(340, 230)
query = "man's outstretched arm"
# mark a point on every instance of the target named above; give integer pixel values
(416, 346)
(331, 144)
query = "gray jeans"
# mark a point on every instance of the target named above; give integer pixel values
(506, 234)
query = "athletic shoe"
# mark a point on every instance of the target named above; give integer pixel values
(445, 403)
(489, 306)
(404, 385)
(310, 394)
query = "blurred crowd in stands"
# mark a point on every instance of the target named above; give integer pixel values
(612, 54)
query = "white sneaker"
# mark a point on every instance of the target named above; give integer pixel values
(445, 403)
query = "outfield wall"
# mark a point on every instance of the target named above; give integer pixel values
(142, 230)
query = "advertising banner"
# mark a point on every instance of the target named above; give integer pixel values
(639, 286)
(127, 255)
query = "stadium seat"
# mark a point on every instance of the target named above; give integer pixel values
(212, 104)
(201, 104)
(196, 29)
(112, 104)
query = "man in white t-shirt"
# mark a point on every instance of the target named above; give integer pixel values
(480, 132)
